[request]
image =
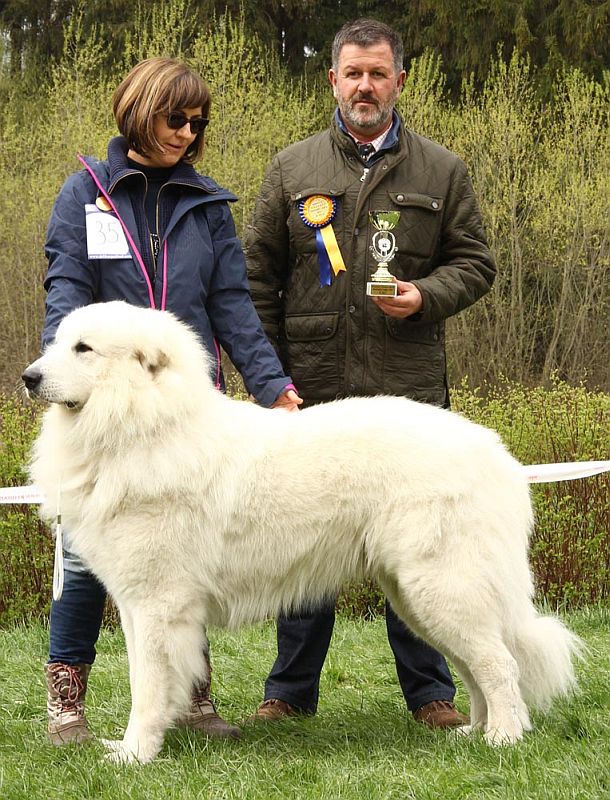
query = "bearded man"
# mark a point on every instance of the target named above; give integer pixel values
(333, 209)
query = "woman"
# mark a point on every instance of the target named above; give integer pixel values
(145, 227)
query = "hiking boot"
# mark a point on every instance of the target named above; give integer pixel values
(67, 686)
(440, 714)
(273, 710)
(202, 716)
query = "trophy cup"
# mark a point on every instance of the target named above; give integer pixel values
(383, 249)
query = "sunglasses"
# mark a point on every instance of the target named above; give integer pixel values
(176, 120)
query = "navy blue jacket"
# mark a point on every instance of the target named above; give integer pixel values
(207, 285)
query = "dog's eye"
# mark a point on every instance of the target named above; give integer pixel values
(81, 347)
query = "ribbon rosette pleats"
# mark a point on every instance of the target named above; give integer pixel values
(318, 212)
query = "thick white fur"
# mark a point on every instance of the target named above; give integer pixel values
(196, 510)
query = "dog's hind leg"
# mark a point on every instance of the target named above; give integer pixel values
(453, 624)
(497, 674)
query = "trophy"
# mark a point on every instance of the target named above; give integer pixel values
(383, 249)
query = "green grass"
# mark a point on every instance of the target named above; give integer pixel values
(361, 744)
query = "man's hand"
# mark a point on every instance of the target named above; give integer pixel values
(409, 301)
(290, 401)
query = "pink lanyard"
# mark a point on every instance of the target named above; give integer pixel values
(139, 259)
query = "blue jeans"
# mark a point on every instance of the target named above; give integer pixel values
(302, 645)
(76, 618)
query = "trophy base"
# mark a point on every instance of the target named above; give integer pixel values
(381, 289)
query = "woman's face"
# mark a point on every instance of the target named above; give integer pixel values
(174, 141)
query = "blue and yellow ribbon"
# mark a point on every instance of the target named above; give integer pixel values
(318, 212)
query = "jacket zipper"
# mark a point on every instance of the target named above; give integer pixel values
(348, 358)
(365, 191)
(156, 237)
(158, 241)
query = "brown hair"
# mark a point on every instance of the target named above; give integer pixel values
(366, 33)
(158, 86)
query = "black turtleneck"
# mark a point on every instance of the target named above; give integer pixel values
(156, 177)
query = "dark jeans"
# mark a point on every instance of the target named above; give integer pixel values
(77, 617)
(303, 641)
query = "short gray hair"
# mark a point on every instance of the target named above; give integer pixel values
(365, 33)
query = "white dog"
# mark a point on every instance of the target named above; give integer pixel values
(195, 509)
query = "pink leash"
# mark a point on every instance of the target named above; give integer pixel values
(139, 259)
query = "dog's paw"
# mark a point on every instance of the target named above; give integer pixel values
(119, 753)
(503, 736)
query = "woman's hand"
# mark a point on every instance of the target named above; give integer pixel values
(289, 400)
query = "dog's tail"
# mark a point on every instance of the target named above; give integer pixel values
(545, 651)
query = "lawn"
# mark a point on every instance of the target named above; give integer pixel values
(362, 743)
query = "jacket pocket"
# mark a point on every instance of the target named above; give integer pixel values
(406, 330)
(415, 361)
(418, 229)
(311, 327)
(412, 200)
(310, 353)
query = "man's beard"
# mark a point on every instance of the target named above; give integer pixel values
(370, 118)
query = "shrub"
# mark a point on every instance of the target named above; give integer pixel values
(571, 542)
(26, 548)
(541, 171)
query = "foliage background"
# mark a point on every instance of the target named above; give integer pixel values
(540, 164)
(532, 123)
(552, 33)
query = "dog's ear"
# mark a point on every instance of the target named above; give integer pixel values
(153, 361)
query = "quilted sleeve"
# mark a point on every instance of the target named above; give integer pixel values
(266, 247)
(466, 269)
(71, 279)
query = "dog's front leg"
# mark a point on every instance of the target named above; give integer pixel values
(147, 642)
(128, 631)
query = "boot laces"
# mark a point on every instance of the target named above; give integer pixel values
(67, 682)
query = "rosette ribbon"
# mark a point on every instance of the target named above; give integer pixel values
(318, 212)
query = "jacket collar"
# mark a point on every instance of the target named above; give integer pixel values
(183, 173)
(390, 142)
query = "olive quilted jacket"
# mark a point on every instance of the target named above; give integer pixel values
(333, 340)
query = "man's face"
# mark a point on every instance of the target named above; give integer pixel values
(366, 87)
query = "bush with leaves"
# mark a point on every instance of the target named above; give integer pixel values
(540, 169)
(26, 548)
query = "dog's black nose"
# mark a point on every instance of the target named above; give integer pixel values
(31, 378)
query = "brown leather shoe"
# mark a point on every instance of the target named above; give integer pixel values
(202, 716)
(440, 714)
(273, 710)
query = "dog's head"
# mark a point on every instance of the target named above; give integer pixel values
(116, 349)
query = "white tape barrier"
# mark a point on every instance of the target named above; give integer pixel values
(548, 473)
(21, 494)
(535, 473)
